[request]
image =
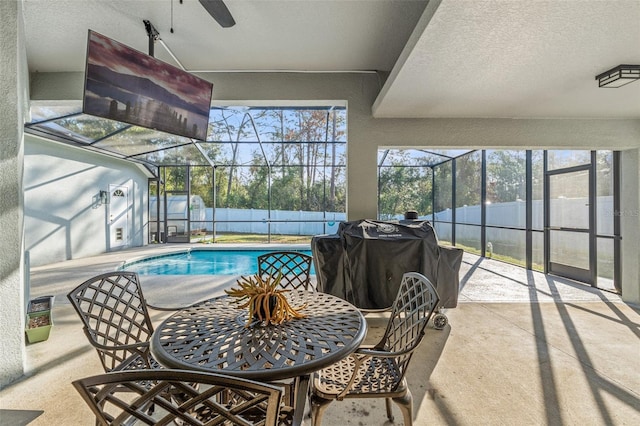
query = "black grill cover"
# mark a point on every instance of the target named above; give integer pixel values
(364, 262)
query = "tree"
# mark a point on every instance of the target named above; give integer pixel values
(202, 183)
(296, 151)
(506, 176)
(404, 184)
(468, 179)
(443, 186)
(604, 178)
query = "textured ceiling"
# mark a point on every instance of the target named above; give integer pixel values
(516, 59)
(460, 58)
(303, 35)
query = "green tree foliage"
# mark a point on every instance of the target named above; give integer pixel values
(175, 178)
(443, 186)
(604, 178)
(537, 177)
(506, 176)
(293, 156)
(202, 183)
(405, 184)
(468, 179)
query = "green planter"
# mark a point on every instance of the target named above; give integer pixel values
(39, 319)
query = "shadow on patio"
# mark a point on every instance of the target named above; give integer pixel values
(522, 348)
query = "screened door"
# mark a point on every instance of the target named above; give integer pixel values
(569, 230)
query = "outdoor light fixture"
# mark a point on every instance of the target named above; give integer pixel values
(619, 76)
(104, 197)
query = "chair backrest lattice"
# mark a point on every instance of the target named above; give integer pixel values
(179, 397)
(114, 313)
(295, 268)
(415, 302)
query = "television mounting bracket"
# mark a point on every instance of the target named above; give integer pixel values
(153, 35)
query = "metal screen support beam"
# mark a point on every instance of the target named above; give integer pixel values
(593, 221)
(188, 183)
(483, 203)
(617, 249)
(433, 195)
(266, 160)
(547, 218)
(453, 202)
(529, 210)
(324, 168)
(213, 169)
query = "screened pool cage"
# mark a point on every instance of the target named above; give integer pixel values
(263, 174)
(552, 211)
(278, 174)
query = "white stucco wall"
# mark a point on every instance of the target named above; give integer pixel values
(63, 217)
(13, 86)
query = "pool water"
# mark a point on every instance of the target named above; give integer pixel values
(202, 262)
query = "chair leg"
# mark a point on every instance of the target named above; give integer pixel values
(318, 406)
(389, 410)
(405, 403)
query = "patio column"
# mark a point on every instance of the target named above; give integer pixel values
(14, 84)
(630, 225)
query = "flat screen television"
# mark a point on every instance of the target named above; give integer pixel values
(126, 85)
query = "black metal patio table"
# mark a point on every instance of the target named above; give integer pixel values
(211, 336)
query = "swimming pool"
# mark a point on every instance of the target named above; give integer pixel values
(202, 262)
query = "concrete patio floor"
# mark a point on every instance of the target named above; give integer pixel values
(521, 348)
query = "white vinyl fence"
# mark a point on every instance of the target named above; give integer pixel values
(246, 221)
(567, 212)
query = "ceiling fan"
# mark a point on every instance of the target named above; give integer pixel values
(218, 10)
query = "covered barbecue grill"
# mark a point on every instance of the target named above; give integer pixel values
(364, 262)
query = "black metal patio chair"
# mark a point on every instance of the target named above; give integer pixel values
(119, 398)
(379, 371)
(295, 268)
(116, 320)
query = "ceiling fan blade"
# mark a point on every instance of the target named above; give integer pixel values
(218, 10)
